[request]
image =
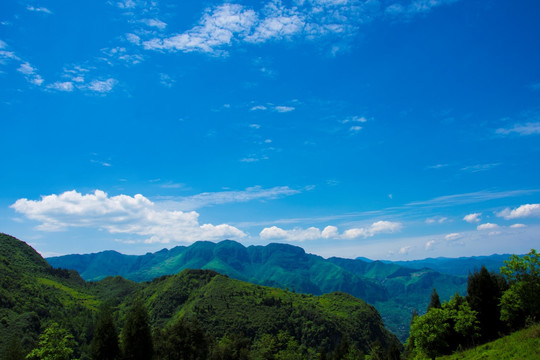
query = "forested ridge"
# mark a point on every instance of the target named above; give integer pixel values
(393, 289)
(196, 314)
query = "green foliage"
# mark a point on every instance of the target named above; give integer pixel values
(435, 301)
(524, 268)
(104, 345)
(183, 340)
(136, 334)
(232, 347)
(523, 345)
(443, 330)
(521, 302)
(484, 292)
(13, 350)
(55, 343)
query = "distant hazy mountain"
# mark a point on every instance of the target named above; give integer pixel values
(457, 266)
(33, 294)
(393, 289)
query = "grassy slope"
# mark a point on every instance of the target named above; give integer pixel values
(524, 344)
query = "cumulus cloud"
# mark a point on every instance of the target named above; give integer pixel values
(524, 211)
(518, 226)
(430, 244)
(296, 234)
(487, 226)
(330, 232)
(30, 73)
(472, 218)
(122, 214)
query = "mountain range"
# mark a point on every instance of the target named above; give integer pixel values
(34, 294)
(396, 289)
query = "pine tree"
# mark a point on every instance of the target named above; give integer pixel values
(104, 345)
(484, 293)
(435, 302)
(136, 335)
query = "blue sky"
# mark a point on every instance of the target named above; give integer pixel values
(395, 129)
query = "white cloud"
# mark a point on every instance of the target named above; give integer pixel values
(374, 229)
(472, 218)
(453, 236)
(531, 128)
(155, 23)
(39, 9)
(225, 197)
(415, 7)
(278, 22)
(61, 86)
(102, 86)
(30, 73)
(487, 226)
(354, 119)
(405, 250)
(297, 234)
(436, 219)
(518, 226)
(126, 4)
(430, 244)
(527, 210)
(355, 129)
(480, 167)
(284, 109)
(122, 214)
(329, 232)
(134, 39)
(217, 27)
(258, 107)
(255, 126)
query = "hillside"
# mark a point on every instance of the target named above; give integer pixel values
(32, 294)
(523, 344)
(393, 289)
(457, 266)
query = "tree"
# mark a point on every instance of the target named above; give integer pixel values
(136, 335)
(104, 345)
(183, 340)
(430, 332)
(55, 343)
(435, 302)
(521, 302)
(13, 350)
(484, 292)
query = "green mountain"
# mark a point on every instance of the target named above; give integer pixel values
(457, 266)
(34, 294)
(394, 290)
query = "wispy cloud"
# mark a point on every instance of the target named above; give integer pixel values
(122, 214)
(30, 73)
(479, 167)
(470, 198)
(487, 226)
(530, 128)
(39, 9)
(225, 197)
